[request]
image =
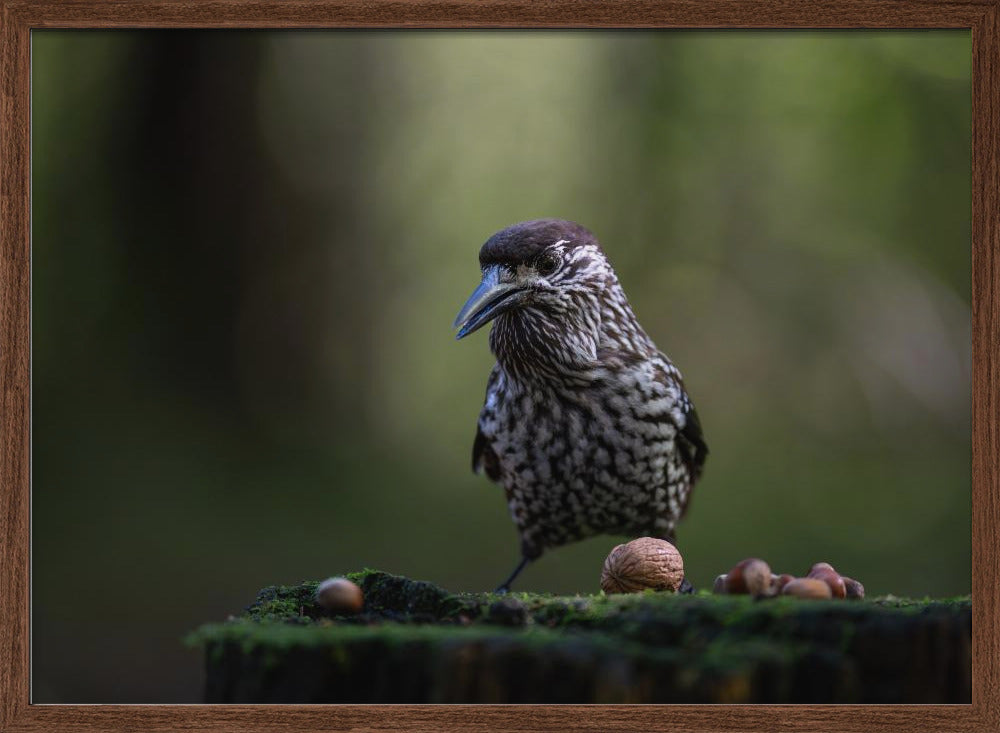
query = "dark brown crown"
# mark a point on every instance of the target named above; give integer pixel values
(522, 243)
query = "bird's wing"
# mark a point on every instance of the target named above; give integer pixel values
(690, 440)
(692, 445)
(484, 458)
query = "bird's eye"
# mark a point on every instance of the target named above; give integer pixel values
(547, 265)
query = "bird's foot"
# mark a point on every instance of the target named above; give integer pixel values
(686, 587)
(504, 587)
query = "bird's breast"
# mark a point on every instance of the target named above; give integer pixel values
(582, 460)
(553, 437)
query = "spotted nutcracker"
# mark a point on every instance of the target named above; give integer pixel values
(586, 424)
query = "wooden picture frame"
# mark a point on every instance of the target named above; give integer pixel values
(20, 17)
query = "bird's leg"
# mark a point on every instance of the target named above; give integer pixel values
(505, 586)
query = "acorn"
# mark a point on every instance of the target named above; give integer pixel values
(644, 563)
(752, 576)
(340, 596)
(721, 584)
(807, 588)
(824, 571)
(778, 582)
(855, 591)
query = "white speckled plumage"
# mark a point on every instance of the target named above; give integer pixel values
(586, 424)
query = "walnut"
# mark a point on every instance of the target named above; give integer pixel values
(640, 564)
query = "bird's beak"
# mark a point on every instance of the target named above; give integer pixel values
(489, 300)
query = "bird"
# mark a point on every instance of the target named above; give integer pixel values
(586, 425)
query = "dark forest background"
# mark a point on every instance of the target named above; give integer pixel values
(248, 249)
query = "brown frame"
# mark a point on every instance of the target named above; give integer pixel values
(19, 17)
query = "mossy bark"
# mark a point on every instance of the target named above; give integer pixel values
(414, 643)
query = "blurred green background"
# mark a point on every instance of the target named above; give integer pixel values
(249, 249)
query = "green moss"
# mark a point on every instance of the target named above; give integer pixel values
(648, 617)
(699, 647)
(402, 600)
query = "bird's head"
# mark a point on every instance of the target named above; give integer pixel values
(548, 265)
